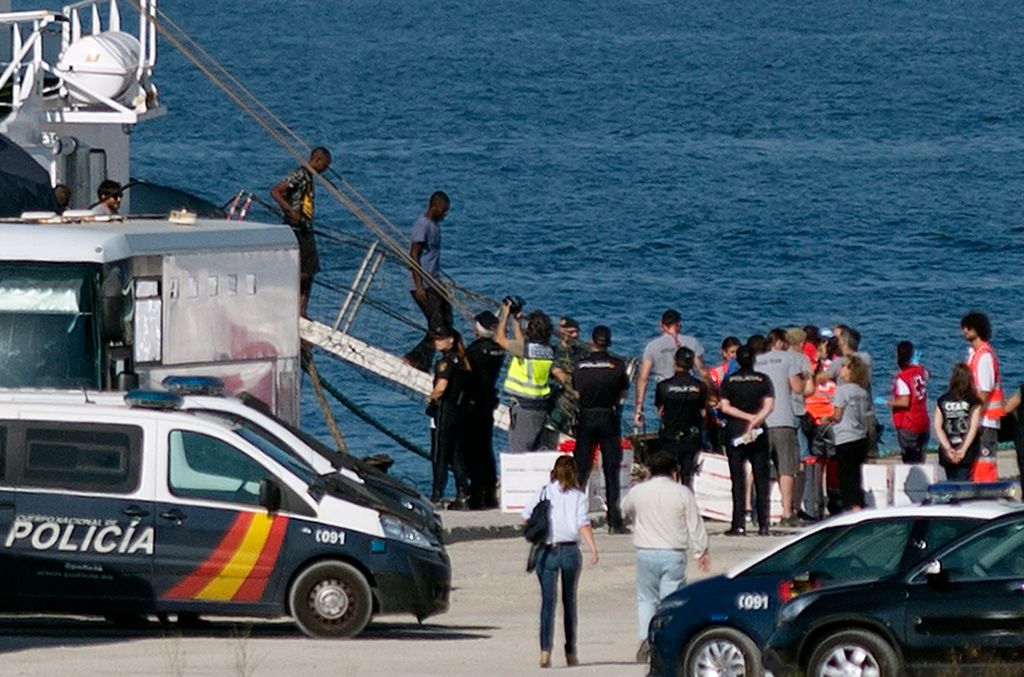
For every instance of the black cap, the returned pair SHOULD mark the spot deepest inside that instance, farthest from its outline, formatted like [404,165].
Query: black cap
[487,320]
[441,331]
[602,336]
[568,323]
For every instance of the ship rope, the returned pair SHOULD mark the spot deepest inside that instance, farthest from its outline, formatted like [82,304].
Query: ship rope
[346,194]
[332,423]
[365,416]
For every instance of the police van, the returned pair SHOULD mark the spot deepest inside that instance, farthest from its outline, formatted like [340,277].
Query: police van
[138,506]
[206,394]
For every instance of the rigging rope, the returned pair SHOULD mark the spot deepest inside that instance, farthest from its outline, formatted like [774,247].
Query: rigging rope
[332,424]
[363,415]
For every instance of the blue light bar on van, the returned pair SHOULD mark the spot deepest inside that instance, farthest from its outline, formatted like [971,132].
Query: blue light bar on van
[194,385]
[152,399]
[956,492]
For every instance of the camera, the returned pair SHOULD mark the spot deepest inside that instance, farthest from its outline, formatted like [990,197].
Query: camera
[515,304]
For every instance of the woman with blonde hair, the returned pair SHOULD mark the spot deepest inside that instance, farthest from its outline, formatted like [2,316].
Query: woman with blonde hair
[568,522]
[851,411]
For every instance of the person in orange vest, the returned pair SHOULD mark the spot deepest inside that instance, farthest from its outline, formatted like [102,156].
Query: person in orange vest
[909,404]
[984,366]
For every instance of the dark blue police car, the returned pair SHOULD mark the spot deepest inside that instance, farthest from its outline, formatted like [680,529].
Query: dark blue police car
[717,626]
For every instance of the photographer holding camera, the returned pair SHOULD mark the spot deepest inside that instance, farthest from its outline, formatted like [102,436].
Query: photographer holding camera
[526,384]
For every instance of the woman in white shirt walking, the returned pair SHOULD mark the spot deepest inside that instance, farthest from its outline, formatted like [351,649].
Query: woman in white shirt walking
[568,523]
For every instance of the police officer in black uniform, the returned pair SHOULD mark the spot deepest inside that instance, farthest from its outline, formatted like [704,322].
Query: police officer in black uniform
[747,399]
[681,402]
[601,381]
[485,358]
[447,404]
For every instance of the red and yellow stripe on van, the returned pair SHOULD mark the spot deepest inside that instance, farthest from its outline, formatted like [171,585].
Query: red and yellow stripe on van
[240,565]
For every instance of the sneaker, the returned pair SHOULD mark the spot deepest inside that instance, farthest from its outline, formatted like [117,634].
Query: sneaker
[736,531]
[621,529]
[764,531]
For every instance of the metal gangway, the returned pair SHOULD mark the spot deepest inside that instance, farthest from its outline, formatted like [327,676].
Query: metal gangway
[336,339]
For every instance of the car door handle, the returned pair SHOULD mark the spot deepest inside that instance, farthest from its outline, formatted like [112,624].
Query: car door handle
[174,514]
[135,511]
[6,504]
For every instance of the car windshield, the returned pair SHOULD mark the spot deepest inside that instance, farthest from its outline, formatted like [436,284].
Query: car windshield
[864,551]
[268,446]
[792,556]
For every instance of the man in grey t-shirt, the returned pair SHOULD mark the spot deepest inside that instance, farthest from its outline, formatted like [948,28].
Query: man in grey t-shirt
[783,367]
[659,361]
[425,251]
[849,344]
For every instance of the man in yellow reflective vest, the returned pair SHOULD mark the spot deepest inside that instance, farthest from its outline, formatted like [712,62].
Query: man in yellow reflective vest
[526,383]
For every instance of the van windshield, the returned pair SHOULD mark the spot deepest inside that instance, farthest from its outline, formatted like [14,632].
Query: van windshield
[296,466]
[48,330]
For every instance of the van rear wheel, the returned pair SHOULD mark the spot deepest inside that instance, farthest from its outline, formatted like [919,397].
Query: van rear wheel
[331,600]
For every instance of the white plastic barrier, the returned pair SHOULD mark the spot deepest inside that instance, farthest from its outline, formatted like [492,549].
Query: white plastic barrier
[910,482]
[712,485]
[876,480]
[523,475]
[596,483]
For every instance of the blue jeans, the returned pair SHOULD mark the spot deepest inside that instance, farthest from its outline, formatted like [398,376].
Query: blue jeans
[552,560]
[659,573]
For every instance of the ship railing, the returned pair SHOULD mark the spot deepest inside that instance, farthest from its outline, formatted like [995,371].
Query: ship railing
[23,74]
[28,75]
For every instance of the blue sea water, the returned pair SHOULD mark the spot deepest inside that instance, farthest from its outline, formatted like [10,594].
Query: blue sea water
[751,164]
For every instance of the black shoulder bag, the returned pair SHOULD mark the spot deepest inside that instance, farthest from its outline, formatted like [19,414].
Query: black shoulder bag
[537,526]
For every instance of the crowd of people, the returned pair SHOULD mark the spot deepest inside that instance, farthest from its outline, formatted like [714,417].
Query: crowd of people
[794,405]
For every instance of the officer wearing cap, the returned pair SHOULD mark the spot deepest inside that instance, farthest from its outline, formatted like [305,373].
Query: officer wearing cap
[447,404]
[601,381]
[485,359]
[567,352]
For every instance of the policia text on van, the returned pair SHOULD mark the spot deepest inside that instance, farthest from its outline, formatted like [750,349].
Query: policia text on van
[141,508]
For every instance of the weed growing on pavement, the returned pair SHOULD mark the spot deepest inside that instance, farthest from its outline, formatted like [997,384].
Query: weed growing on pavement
[174,651]
[245,661]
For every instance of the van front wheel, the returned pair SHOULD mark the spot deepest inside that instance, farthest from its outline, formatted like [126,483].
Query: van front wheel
[331,600]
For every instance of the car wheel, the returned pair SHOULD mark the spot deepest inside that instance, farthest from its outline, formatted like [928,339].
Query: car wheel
[721,652]
[331,600]
[853,653]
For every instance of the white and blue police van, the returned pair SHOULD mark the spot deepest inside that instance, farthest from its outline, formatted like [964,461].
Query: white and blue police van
[136,506]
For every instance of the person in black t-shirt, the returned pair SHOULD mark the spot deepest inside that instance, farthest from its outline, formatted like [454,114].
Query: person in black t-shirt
[485,358]
[747,399]
[956,424]
[681,401]
[601,381]
[447,405]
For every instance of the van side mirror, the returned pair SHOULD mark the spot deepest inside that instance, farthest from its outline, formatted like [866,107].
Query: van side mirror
[270,494]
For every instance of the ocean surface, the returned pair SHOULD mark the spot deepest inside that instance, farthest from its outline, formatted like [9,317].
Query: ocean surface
[750,164]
